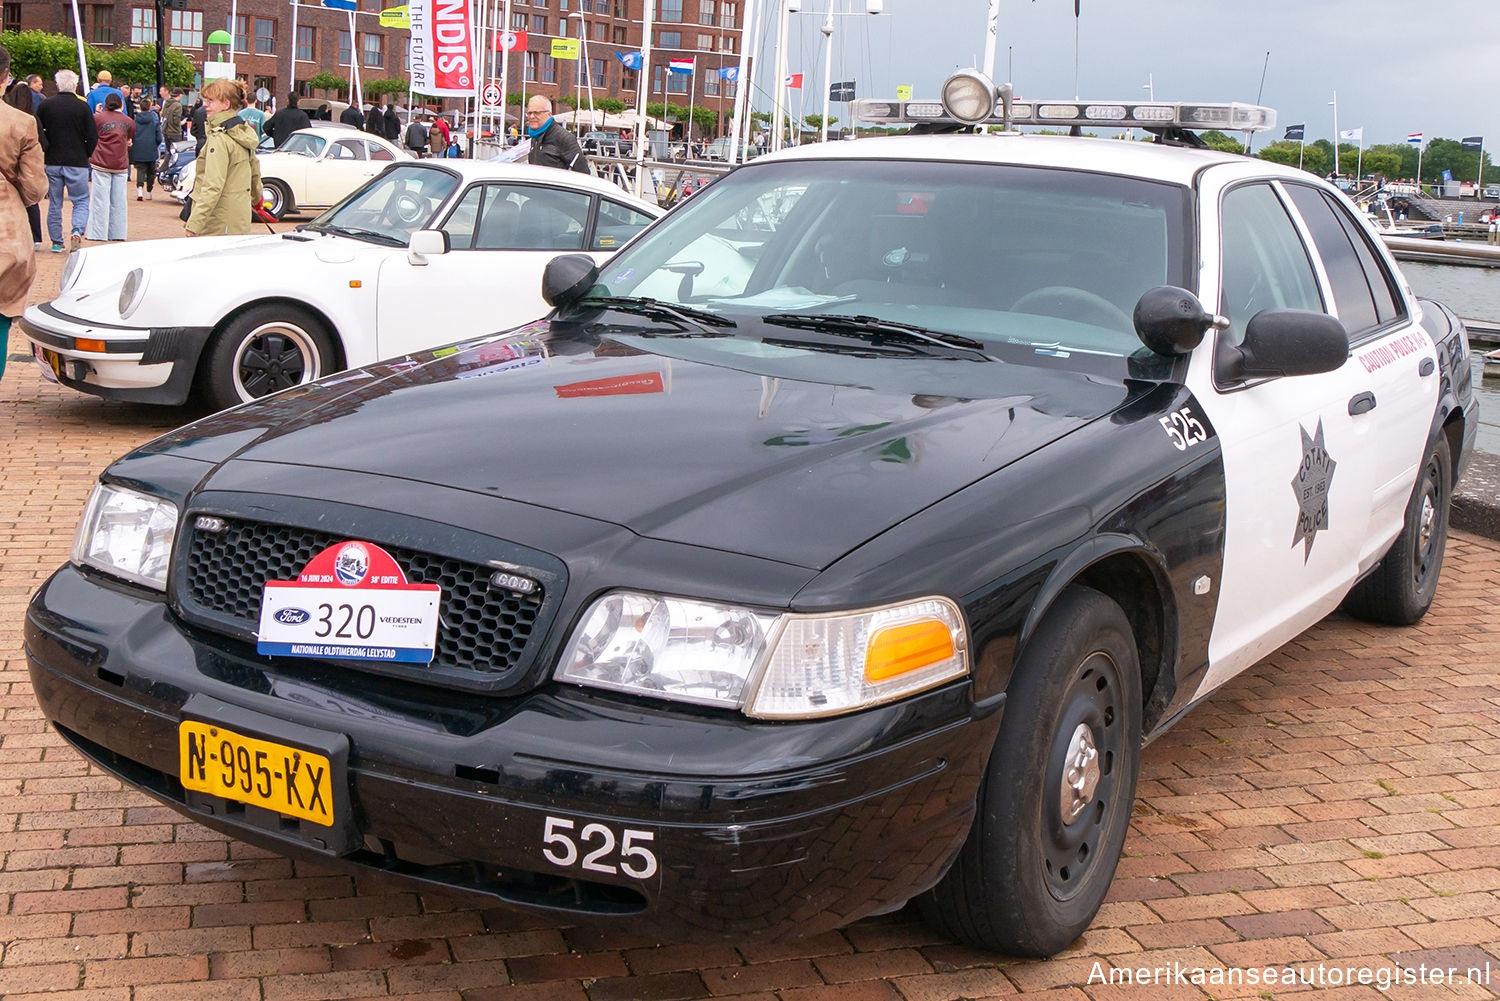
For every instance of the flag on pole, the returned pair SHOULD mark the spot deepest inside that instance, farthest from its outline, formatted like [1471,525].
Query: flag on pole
[1353,135]
[680,65]
[1472,142]
[793,80]
[395,17]
[565,48]
[447,26]
[1415,138]
[1295,132]
[632,60]
[729,73]
[510,41]
[903,92]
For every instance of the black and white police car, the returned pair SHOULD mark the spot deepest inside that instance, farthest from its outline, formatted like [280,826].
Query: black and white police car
[836,544]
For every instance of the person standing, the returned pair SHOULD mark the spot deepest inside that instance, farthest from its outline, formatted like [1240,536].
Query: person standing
[351,116]
[18,95]
[227,170]
[254,117]
[438,136]
[37,97]
[103,87]
[111,171]
[551,144]
[391,122]
[68,135]
[143,150]
[199,119]
[171,118]
[374,121]
[287,120]
[416,136]
[25,180]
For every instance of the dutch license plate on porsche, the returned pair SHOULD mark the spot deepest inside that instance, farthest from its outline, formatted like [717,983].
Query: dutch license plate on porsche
[286,780]
[50,362]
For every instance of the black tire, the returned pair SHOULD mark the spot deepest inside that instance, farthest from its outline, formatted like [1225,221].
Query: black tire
[1036,866]
[266,349]
[276,197]
[1400,589]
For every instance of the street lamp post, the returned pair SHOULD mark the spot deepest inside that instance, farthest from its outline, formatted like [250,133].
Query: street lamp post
[1335,103]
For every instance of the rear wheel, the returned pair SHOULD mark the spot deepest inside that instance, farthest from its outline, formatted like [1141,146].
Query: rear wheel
[1055,803]
[266,349]
[276,197]
[1401,588]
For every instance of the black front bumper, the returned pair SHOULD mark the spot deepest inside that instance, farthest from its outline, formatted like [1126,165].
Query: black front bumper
[755,830]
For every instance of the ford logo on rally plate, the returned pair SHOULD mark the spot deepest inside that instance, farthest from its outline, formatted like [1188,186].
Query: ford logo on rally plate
[292,616]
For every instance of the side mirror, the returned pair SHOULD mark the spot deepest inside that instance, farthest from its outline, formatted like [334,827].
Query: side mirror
[426,243]
[566,278]
[1171,321]
[1282,342]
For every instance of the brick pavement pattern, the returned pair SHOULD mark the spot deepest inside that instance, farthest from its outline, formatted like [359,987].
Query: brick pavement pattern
[1333,809]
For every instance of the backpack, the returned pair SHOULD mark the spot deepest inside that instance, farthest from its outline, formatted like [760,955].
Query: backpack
[416,136]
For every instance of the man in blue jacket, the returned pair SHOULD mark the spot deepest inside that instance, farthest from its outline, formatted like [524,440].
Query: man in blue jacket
[103,87]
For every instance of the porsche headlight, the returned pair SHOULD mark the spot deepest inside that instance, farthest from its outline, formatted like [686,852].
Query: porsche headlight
[127,534]
[72,267]
[769,666]
[132,290]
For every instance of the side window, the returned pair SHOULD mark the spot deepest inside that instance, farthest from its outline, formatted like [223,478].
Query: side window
[1361,287]
[1264,263]
[460,222]
[378,152]
[617,224]
[548,218]
[499,220]
[347,149]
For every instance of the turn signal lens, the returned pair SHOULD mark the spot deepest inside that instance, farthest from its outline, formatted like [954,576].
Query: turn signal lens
[897,650]
[89,344]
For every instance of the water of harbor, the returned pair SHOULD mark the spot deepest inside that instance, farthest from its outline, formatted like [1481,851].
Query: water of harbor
[1474,294]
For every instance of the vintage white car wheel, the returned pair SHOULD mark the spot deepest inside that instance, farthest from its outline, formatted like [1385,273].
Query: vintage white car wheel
[266,349]
[276,197]
[1054,806]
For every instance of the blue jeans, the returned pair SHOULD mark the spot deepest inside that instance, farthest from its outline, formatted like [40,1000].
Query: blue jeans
[76,180]
[107,220]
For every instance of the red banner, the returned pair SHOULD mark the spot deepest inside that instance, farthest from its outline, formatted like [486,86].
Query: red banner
[442,47]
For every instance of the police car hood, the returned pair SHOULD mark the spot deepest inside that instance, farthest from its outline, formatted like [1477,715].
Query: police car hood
[786,454]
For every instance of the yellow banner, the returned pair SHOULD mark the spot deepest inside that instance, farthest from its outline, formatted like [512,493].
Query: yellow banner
[395,17]
[564,48]
[903,92]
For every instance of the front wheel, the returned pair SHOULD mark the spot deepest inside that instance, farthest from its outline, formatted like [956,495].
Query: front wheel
[1055,803]
[1400,589]
[266,349]
[276,197]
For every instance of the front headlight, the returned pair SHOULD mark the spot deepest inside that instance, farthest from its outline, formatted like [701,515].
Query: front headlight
[132,291]
[769,666]
[127,534]
[72,267]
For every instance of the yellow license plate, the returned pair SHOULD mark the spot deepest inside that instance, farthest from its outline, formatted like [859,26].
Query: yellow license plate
[51,360]
[245,769]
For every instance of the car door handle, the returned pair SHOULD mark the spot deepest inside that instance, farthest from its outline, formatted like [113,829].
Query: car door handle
[1361,403]
[1427,367]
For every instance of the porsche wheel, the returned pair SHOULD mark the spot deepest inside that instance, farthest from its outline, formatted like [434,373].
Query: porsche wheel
[264,350]
[276,197]
[1055,803]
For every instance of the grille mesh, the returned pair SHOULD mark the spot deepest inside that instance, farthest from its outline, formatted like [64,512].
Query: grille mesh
[482,630]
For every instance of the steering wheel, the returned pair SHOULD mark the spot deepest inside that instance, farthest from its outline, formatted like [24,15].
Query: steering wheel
[1069,303]
[406,209]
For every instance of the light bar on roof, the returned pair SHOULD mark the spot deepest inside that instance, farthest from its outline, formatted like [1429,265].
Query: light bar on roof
[1193,115]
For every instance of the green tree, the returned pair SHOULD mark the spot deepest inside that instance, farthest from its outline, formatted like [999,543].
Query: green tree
[705,120]
[1386,163]
[1317,157]
[387,85]
[610,105]
[1280,151]
[44,53]
[139,65]
[327,81]
[815,122]
[1219,141]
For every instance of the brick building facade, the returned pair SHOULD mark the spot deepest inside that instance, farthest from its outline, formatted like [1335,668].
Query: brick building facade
[705,30]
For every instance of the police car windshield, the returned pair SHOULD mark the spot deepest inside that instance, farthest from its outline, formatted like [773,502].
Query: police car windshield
[1004,254]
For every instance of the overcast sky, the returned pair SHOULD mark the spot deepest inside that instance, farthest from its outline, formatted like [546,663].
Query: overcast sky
[1397,67]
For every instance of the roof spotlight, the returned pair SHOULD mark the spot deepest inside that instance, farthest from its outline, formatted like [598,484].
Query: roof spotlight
[969,96]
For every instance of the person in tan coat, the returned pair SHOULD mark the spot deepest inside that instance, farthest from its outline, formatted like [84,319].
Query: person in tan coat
[227,175]
[25,184]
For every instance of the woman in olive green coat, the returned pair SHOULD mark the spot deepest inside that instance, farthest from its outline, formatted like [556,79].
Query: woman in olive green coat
[227,175]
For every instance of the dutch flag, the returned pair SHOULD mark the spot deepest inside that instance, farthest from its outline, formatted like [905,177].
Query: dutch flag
[679,66]
[1415,138]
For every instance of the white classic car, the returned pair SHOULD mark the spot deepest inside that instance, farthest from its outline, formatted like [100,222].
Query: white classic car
[430,252]
[319,165]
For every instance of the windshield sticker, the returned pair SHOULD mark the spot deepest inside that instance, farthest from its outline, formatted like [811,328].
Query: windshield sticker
[1311,484]
[624,276]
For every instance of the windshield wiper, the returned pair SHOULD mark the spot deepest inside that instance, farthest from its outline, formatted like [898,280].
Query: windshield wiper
[656,309]
[359,233]
[870,328]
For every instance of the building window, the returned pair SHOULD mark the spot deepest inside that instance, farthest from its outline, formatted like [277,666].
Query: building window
[679,83]
[669,40]
[265,36]
[596,72]
[600,31]
[346,49]
[142,24]
[601,6]
[518,20]
[98,23]
[12,19]
[529,72]
[562,4]
[373,48]
[539,24]
[307,42]
[185,29]
[622,10]
[726,43]
[705,43]
[671,10]
[656,75]
[627,79]
[618,34]
[241,33]
[706,11]
[728,14]
[711,84]
[549,69]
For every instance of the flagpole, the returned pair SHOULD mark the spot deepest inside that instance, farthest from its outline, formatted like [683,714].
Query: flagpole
[828,65]
[291,76]
[83,69]
[687,152]
[741,110]
[1301,144]
[234,16]
[1335,103]
[642,88]
[779,114]
[505,76]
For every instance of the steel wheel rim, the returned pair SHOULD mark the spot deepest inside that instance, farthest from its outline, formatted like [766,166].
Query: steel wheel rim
[1082,797]
[272,357]
[1427,527]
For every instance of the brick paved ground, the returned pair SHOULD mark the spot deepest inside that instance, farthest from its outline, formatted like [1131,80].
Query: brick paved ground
[1335,808]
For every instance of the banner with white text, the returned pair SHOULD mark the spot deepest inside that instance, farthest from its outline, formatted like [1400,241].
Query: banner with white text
[442,47]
